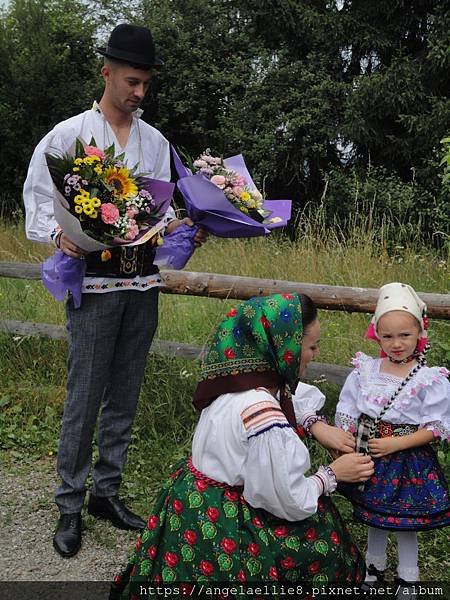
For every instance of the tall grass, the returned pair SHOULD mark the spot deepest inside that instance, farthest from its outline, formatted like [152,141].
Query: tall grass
[32,371]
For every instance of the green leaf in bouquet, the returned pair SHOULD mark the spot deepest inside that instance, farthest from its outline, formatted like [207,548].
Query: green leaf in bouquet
[109,151]
[79,148]
[59,165]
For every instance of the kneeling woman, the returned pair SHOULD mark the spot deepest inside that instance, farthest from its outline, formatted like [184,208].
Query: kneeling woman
[242,508]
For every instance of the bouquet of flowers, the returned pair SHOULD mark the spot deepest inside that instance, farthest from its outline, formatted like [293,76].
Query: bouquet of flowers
[234,185]
[101,202]
[221,197]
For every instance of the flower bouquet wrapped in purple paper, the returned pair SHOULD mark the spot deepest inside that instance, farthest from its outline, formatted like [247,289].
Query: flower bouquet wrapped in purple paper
[221,197]
[99,203]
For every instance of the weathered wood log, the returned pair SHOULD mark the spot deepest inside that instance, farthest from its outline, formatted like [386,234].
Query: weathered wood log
[328,297]
[315,372]
[20,270]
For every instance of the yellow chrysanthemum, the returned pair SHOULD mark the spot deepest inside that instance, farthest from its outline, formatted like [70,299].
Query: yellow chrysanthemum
[245,196]
[75,169]
[119,179]
[78,161]
[98,169]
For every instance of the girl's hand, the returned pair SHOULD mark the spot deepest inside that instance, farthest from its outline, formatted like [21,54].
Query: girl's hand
[353,468]
[333,438]
[379,447]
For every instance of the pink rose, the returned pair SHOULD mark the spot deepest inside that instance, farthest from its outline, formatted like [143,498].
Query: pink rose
[218,180]
[132,232]
[109,212]
[94,151]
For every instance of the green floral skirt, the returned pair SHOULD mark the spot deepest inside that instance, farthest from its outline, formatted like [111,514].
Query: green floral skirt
[204,531]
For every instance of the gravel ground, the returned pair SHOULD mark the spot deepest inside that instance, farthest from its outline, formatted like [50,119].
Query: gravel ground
[28,517]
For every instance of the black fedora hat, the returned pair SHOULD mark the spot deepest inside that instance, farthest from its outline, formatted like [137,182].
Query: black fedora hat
[132,44]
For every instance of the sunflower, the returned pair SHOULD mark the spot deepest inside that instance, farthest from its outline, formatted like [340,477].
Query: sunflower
[123,185]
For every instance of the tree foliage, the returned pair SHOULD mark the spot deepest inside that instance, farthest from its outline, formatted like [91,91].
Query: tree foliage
[311,91]
[46,75]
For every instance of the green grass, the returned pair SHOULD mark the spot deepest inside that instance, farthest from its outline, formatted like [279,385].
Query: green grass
[32,371]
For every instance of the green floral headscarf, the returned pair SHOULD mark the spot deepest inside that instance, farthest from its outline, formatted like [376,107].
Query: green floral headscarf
[257,344]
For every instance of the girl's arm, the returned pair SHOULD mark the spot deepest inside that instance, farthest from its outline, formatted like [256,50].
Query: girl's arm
[379,447]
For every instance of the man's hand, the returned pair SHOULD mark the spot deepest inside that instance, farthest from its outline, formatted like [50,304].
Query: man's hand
[200,236]
[68,247]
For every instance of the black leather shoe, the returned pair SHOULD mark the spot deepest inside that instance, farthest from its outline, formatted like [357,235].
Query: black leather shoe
[67,538]
[115,511]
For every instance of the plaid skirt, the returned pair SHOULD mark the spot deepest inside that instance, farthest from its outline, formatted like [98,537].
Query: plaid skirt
[203,531]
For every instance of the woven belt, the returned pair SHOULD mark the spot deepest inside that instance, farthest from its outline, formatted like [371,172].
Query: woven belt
[199,475]
[385,429]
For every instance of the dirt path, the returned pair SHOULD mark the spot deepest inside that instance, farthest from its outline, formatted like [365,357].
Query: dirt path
[27,520]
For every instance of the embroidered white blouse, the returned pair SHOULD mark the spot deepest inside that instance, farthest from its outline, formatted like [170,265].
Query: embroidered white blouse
[424,401]
[244,439]
[146,146]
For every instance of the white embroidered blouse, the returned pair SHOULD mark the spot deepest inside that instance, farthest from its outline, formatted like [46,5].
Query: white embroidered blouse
[424,401]
[244,439]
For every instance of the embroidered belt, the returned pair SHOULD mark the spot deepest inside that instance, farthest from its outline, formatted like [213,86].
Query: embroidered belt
[385,429]
[124,262]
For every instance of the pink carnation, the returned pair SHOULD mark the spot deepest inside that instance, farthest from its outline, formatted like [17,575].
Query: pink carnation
[94,151]
[110,213]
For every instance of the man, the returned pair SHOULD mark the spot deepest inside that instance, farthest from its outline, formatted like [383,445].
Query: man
[111,333]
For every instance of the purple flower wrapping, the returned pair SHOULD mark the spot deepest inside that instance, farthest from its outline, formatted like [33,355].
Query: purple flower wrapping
[62,274]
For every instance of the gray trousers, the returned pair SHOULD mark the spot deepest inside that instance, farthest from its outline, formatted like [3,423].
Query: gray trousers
[110,336]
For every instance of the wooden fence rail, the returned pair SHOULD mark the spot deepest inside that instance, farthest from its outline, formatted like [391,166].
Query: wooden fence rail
[326,297]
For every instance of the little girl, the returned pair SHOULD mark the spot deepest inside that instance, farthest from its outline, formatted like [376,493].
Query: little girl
[396,405]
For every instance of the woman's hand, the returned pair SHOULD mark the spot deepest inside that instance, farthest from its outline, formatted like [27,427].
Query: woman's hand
[333,438]
[353,468]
